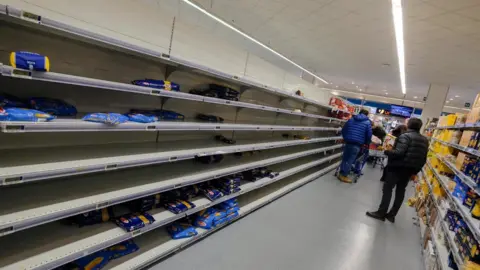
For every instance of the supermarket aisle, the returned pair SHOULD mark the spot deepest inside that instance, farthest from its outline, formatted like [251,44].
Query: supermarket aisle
[321,225]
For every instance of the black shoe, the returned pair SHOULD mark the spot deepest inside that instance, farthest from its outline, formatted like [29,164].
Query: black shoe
[390,218]
[376,215]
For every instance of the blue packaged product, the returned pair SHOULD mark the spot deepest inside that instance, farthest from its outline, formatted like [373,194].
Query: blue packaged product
[30,61]
[206,218]
[179,230]
[232,215]
[229,191]
[160,114]
[122,249]
[230,203]
[92,217]
[95,261]
[179,206]
[212,193]
[141,118]
[53,106]
[106,118]
[9,101]
[134,221]
[159,84]
[24,115]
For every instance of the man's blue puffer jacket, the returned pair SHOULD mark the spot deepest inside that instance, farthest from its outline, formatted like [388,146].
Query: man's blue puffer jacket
[357,130]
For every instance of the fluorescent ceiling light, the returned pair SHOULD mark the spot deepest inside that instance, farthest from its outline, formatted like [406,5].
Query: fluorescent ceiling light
[397,11]
[204,11]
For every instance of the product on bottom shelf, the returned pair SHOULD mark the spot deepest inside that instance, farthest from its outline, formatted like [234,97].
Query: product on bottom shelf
[259,173]
[9,101]
[229,184]
[30,61]
[101,258]
[132,222]
[106,118]
[210,118]
[217,215]
[24,115]
[159,84]
[178,206]
[181,229]
[53,106]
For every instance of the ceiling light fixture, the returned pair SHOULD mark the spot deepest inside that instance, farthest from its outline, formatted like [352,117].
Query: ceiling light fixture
[335,93]
[457,96]
[415,97]
[397,11]
[204,11]
[448,101]
[451,99]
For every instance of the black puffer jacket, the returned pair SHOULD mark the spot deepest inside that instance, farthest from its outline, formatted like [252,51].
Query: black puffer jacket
[410,151]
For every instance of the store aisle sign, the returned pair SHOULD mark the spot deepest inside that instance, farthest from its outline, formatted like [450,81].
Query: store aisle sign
[467,105]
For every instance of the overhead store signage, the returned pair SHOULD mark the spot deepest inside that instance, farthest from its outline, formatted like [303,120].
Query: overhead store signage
[467,105]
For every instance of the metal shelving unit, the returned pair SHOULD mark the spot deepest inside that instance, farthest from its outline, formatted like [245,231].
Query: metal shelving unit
[88,168]
[130,88]
[109,234]
[465,179]
[459,147]
[75,125]
[20,220]
[45,24]
[472,223]
[36,172]
[166,246]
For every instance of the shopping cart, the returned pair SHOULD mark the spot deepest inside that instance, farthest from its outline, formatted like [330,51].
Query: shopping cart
[356,170]
[378,157]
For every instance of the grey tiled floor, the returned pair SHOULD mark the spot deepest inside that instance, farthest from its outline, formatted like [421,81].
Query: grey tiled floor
[321,225]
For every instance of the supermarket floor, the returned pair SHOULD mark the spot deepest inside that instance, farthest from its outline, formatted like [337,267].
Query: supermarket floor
[321,225]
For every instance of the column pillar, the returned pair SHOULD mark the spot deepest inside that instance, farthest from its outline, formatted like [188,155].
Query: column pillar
[436,97]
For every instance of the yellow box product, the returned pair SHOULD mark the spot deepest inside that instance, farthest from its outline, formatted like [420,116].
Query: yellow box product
[466,136]
[461,118]
[451,118]
[473,116]
[460,160]
[442,121]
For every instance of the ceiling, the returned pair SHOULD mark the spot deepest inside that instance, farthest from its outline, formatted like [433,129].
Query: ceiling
[351,43]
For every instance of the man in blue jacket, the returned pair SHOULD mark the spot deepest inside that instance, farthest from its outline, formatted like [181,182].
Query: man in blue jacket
[356,133]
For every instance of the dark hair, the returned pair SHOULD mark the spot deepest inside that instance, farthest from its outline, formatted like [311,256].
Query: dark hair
[415,124]
[399,130]
[365,112]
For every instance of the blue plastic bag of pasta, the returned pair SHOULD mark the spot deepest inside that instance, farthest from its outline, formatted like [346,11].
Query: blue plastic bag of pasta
[106,118]
[179,230]
[141,118]
[9,101]
[122,249]
[95,261]
[30,61]
[53,106]
[159,84]
[24,115]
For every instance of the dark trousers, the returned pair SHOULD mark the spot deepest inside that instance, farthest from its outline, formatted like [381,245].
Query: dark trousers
[397,178]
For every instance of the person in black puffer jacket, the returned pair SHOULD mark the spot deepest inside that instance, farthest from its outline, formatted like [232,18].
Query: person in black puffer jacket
[408,156]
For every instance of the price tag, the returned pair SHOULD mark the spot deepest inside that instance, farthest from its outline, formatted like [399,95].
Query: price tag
[21,73]
[31,17]
[12,180]
[102,205]
[7,230]
[111,167]
[136,233]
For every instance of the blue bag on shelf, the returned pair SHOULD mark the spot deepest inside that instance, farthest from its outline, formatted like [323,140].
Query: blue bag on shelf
[122,249]
[106,118]
[53,106]
[179,230]
[212,193]
[206,218]
[229,203]
[95,261]
[134,222]
[24,115]
[179,206]
[141,118]
[30,61]
[160,114]
[9,101]
[159,84]
[92,217]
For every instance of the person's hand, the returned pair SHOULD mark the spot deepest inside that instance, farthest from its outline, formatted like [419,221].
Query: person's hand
[388,147]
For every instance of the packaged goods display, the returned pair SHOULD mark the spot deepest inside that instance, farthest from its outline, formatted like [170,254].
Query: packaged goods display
[30,61]
[106,118]
[132,222]
[24,115]
[209,118]
[52,106]
[181,229]
[159,84]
